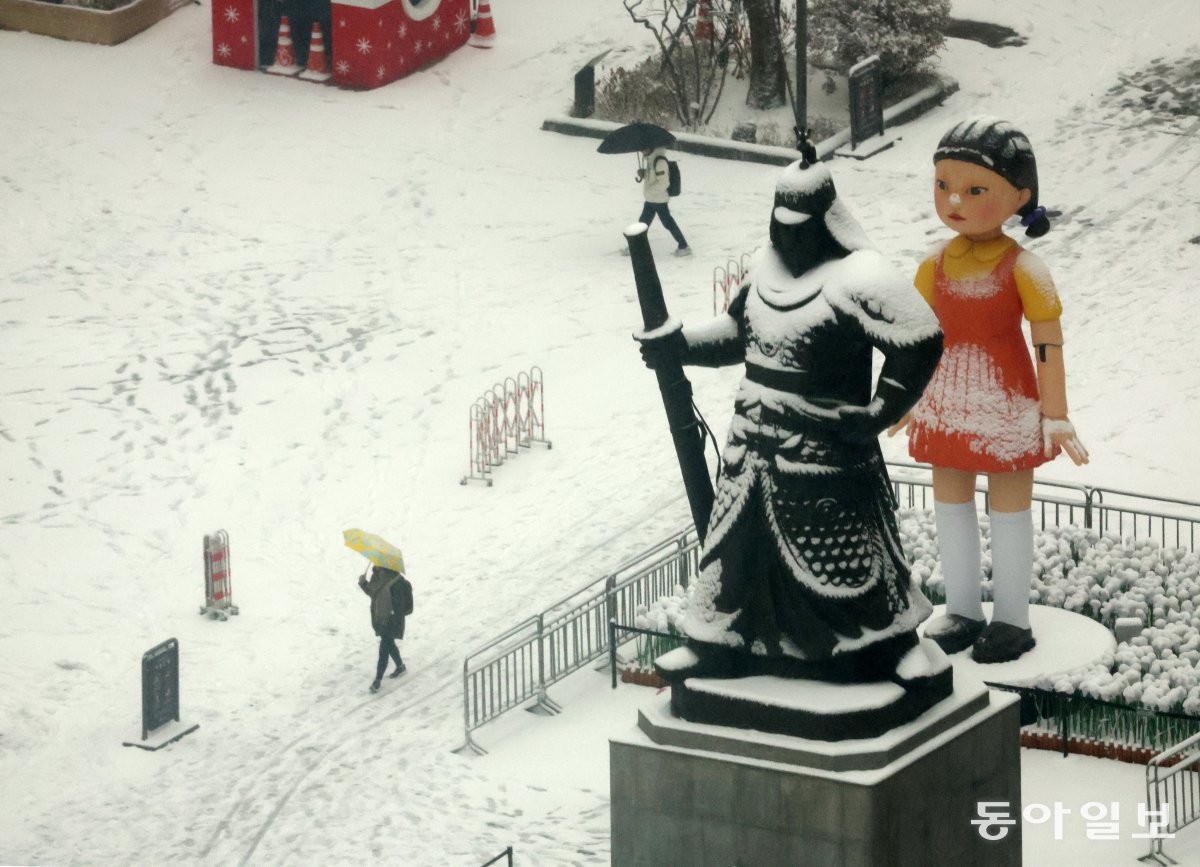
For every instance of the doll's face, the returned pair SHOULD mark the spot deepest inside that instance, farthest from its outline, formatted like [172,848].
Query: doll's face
[972,200]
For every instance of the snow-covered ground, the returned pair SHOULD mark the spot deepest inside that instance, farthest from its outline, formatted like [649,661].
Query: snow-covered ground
[233,300]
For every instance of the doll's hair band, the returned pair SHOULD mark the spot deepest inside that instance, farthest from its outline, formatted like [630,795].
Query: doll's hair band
[1033,216]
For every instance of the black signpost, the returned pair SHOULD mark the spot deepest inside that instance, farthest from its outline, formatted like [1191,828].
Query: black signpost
[866,101]
[585,87]
[160,686]
[160,692]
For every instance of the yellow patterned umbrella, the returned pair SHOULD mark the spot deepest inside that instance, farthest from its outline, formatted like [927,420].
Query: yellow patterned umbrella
[375,548]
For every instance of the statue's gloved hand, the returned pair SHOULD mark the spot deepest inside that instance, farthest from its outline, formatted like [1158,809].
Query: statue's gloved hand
[663,345]
[861,424]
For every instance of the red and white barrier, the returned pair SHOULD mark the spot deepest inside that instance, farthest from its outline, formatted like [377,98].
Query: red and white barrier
[726,279]
[503,421]
[218,580]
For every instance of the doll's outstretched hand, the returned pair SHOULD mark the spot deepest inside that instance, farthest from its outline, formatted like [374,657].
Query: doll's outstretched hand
[1060,432]
[901,425]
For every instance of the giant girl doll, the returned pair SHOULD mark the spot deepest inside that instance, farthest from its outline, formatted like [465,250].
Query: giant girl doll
[989,408]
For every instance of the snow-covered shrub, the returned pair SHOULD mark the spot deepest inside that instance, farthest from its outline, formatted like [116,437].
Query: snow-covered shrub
[906,34]
[665,615]
[639,93]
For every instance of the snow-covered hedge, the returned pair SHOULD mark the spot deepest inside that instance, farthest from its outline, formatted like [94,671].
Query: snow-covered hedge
[665,616]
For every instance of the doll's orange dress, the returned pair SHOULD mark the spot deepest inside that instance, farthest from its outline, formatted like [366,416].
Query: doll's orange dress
[981,411]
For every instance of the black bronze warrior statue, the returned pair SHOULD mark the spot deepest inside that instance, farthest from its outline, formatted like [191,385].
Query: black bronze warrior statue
[802,573]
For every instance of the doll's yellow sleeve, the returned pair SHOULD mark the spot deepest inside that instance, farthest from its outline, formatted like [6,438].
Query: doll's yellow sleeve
[1039,298]
[924,280]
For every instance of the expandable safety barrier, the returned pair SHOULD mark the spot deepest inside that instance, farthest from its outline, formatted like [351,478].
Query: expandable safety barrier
[218,577]
[504,420]
[726,279]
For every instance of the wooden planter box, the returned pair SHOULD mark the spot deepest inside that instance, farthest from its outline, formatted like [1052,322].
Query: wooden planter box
[642,678]
[77,24]
[1089,747]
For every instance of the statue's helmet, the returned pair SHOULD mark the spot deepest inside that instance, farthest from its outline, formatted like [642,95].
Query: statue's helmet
[808,222]
[805,191]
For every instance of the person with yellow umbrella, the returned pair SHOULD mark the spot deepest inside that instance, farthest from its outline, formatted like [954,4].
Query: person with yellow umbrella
[391,596]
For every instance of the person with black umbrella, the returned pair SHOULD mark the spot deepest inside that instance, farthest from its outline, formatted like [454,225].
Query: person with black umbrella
[655,177]
[650,142]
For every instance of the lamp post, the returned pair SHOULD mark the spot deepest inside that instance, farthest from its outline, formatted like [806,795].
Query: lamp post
[801,65]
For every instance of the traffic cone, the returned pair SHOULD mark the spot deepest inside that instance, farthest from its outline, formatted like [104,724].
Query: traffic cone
[704,28]
[485,29]
[318,64]
[285,57]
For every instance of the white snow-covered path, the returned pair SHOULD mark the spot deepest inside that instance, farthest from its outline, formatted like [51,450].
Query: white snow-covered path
[232,300]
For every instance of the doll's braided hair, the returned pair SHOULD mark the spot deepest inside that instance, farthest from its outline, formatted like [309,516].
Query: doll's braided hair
[999,146]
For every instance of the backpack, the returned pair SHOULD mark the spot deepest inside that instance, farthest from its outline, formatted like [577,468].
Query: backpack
[672,178]
[402,596]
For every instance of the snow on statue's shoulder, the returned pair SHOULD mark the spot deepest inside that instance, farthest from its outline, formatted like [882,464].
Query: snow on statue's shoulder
[869,288]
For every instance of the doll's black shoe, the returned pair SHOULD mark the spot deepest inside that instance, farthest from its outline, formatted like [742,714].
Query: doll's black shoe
[1002,642]
[374,686]
[400,669]
[954,633]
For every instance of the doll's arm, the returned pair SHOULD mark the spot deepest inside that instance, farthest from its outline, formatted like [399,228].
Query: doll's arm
[1047,337]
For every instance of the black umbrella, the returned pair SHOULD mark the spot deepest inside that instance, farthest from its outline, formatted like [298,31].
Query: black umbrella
[633,137]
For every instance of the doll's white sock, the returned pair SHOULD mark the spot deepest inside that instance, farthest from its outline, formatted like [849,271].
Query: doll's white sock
[1012,566]
[958,549]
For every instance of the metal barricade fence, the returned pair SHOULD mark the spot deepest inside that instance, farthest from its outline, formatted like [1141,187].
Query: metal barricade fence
[727,278]
[520,664]
[1173,791]
[1169,521]
[517,667]
[1141,517]
[505,419]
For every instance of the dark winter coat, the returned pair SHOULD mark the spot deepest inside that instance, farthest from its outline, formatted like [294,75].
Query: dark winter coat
[387,591]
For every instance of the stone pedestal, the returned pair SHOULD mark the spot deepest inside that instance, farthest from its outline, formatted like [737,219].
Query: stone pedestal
[690,794]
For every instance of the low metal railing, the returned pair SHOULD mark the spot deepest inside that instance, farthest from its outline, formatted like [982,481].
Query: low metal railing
[516,667]
[1171,522]
[519,665]
[1173,793]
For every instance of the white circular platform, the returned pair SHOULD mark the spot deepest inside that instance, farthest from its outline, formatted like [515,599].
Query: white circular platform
[1065,641]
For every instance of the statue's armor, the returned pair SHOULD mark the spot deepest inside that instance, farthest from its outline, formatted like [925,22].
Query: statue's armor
[803,557]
